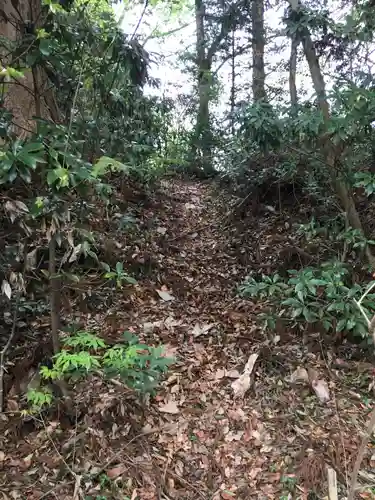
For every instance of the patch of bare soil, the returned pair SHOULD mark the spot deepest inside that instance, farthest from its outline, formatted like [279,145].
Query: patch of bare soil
[209,433]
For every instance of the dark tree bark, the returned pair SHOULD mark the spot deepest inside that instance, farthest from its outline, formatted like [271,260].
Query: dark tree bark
[31,95]
[257,18]
[233,81]
[293,71]
[202,129]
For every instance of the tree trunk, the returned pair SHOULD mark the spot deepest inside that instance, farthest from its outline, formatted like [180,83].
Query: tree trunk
[233,82]
[331,151]
[202,145]
[293,71]
[257,19]
[203,126]
[32,95]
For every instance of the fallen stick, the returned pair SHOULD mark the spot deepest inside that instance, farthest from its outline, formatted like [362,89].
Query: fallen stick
[332,484]
[371,424]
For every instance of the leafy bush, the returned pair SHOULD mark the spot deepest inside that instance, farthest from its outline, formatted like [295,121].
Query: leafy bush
[316,295]
[260,124]
[138,366]
[118,274]
[336,233]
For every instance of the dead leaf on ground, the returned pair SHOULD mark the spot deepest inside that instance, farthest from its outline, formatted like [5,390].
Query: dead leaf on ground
[242,384]
[299,375]
[319,385]
[202,329]
[170,407]
[321,390]
[116,471]
[150,326]
[167,297]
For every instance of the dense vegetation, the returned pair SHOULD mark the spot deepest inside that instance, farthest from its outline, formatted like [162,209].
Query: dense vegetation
[85,127]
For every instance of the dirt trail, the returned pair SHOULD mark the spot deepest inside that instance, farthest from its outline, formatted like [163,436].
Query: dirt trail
[195,439]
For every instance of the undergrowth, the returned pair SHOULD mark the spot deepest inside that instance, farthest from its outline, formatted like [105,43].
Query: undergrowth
[137,365]
[324,296]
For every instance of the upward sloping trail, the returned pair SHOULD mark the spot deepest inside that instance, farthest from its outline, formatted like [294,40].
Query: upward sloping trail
[195,439]
[278,438]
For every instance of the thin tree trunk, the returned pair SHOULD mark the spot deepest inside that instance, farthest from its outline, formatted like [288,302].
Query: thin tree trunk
[55,291]
[204,56]
[54,296]
[257,18]
[331,151]
[233,81]
[293,71]
[202,129]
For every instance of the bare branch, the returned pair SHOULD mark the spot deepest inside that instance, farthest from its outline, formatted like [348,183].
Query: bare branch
[139,20]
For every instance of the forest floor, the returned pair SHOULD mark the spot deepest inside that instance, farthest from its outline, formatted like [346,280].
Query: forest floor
[198,438]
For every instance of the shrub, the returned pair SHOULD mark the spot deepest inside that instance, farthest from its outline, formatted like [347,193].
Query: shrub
[315,295]
[138,366]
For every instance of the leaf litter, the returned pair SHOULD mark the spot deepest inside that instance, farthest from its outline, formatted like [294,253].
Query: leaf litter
[238,416]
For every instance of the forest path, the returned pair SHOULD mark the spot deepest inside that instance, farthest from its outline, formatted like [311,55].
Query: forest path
[274,442]
[196,438]
[210,443]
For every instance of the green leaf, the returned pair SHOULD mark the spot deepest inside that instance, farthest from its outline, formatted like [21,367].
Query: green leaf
[105,164]
[110,275]
[33,147]
[341,325]
[291,302]
[12,175]
[29,160]
[45,46]
[299,287]
[119,267]
[51,177]
[13,73]
[129,279]
[297,312]
[327,324]
[105,266]
[351,324]
[310,316]
[129,337]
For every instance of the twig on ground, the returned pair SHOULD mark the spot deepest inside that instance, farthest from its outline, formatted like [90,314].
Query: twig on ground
[186,483]
[52,491]
[164,475]
[77,488]
[371,424]
[57,450]
[332,484]
[338,423]
[118,454]
[361,452]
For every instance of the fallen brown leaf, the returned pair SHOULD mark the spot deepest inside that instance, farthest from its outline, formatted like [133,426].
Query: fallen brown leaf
[116,472]
[170,407]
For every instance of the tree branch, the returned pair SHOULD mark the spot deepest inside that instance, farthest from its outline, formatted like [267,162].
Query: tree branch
[240,51]
[224,29]
[139,20]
